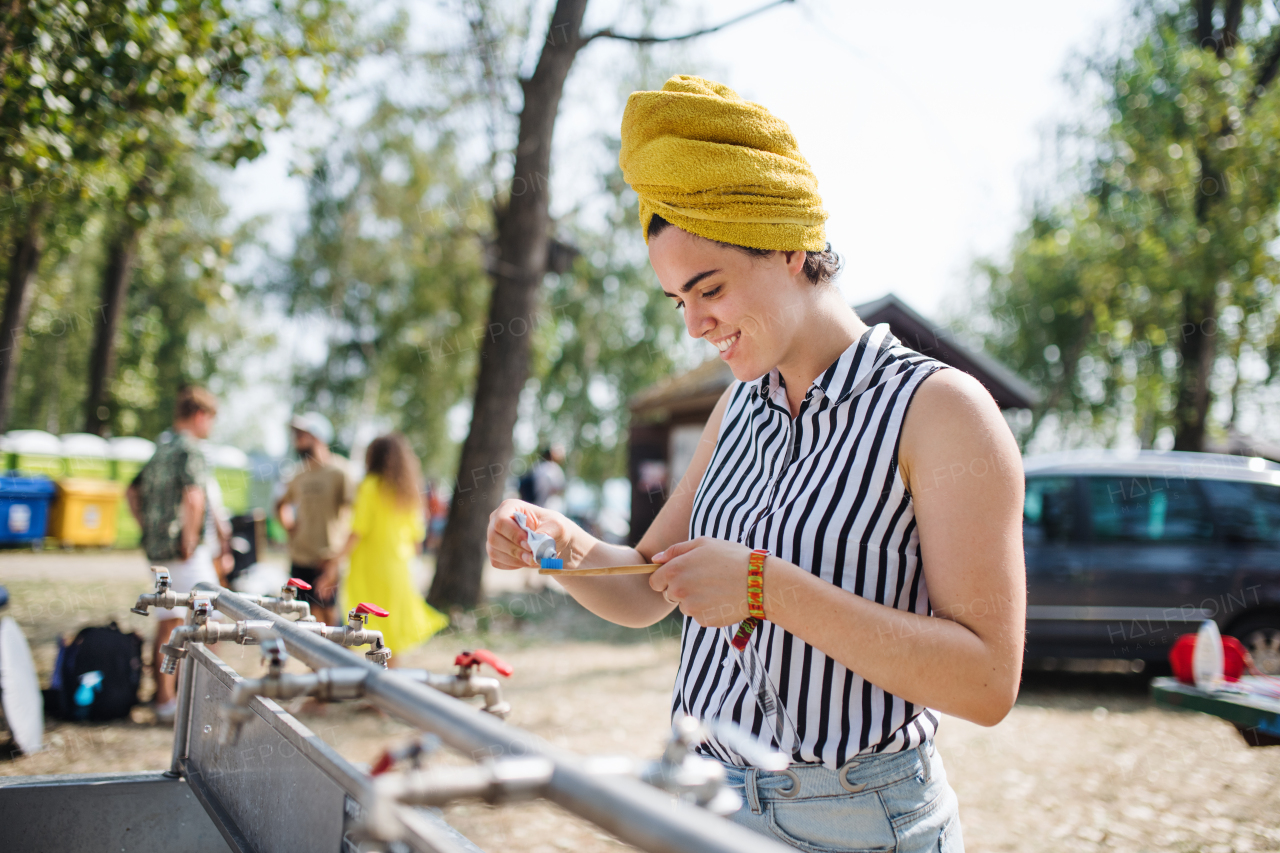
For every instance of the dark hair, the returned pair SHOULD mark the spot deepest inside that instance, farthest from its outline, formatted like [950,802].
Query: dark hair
[819,267]
[192,400]
[391,458]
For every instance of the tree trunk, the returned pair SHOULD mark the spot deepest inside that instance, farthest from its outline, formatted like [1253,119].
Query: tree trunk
[1204,23]
[121,255]
[504,355]
[24,260]
[1199,330]
[8,23]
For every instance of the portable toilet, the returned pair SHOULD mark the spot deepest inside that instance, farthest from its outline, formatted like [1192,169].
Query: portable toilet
[129,454]
[265,474]
[33,451]
[231,467]
[86,456]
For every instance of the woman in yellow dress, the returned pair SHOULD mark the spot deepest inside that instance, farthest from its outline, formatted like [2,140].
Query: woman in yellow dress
[386,529]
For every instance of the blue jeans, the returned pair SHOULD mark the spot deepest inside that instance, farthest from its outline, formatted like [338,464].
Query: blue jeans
[896,803]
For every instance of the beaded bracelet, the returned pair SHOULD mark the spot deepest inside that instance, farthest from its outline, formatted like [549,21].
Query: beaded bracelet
[755,583]
[755,599]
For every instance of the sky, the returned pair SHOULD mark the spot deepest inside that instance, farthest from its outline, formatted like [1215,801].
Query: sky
[922,122]
[919,124]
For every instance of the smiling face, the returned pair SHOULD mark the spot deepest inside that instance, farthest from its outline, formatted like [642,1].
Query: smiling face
[750,308]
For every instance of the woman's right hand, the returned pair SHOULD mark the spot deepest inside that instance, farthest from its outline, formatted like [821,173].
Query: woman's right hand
[508,544]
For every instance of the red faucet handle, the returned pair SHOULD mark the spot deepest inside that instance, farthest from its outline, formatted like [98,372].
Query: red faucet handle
[384,763]
[298,584]
[365,607]
[479,656]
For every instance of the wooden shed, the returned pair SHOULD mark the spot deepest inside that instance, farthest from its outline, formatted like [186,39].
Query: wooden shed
[667,418]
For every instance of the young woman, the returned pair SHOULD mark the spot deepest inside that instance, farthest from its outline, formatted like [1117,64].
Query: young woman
[875,496]
[386,529]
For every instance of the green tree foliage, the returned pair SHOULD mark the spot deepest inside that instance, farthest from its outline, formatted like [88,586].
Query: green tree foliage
[392,268]
[110,113]
[244,90]
[182,314]
[59,333]
[1148,296]
[89,85]
[609,332]
[389,272]
[179,322]
[71,75]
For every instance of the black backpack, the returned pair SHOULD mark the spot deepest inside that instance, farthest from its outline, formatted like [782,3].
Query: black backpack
[96,676]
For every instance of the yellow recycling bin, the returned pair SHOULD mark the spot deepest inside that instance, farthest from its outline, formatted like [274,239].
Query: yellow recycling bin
[84,513]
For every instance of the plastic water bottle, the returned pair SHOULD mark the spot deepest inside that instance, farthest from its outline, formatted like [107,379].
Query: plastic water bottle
[1206,663]
[90,684]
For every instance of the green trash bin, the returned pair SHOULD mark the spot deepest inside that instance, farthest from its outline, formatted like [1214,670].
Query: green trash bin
[128,455]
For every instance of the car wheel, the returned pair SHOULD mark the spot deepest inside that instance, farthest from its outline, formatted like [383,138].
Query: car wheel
[1260,635]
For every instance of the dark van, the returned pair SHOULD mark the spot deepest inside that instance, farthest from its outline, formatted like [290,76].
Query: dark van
[1127,551]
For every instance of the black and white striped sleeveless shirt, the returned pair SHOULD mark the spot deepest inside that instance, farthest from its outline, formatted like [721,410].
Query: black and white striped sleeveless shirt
[822,492]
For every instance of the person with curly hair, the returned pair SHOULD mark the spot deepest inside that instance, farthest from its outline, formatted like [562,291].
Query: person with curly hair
[386,530]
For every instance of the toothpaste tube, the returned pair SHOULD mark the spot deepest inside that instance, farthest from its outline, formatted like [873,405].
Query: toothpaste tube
[543,546]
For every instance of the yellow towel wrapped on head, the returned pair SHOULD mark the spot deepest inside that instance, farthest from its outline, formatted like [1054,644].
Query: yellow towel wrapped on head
[720,167]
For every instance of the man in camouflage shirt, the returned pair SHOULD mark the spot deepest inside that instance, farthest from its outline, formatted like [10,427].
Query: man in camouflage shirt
[177,465]
[169,500]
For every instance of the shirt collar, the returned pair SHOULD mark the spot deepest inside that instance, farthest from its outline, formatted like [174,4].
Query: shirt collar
[848,374]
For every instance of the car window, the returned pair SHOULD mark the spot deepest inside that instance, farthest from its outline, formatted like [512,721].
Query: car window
[1148,509]
[1049,513]
[1246,512]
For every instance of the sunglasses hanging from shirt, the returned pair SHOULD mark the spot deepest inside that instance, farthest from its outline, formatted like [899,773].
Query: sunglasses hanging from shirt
[746,654]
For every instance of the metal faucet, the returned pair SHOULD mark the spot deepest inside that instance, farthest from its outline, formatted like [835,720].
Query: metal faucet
[679,771]
[465,683]
[510,780]
[197,618]
[288,601]
[250,632]
[162,596]
[354,633]
[198,629]
[284,604]
[686,774]
[329,684]
[415,750]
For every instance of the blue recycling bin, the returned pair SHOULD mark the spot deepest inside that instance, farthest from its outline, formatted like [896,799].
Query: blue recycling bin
[24,509]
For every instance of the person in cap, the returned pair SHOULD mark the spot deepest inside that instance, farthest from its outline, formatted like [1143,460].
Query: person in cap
[846,544]
[169,498]
[315,511]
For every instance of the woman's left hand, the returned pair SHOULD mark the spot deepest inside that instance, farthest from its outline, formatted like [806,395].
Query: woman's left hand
[707,578]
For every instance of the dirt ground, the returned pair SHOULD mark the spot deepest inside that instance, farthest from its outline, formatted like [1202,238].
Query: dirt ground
[1082,763]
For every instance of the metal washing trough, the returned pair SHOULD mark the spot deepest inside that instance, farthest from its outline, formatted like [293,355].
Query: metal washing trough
[279,787]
